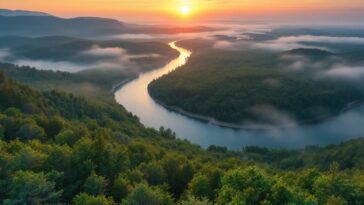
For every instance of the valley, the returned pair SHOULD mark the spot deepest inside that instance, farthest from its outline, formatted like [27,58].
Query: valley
[98,111]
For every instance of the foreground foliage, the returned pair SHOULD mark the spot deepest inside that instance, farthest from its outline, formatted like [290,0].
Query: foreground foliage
[56,148]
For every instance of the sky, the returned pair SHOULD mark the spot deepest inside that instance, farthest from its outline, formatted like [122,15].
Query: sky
[335,10]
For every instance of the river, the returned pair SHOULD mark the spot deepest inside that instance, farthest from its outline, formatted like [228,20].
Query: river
[135,98]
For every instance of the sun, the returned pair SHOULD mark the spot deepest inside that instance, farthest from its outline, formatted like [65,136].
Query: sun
[184,10]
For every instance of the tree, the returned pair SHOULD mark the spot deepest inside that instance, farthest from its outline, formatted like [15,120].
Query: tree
[143,194]
[168,133]
[214,148]
[2,77]
[85,199]
[66,137]
[94,184]
[28,158]
[179,173]
[12,112]
[281,194]
[153,173]
[32,188]
[55,125]
[30,131]
[334,184]
[307,179]
[2,132]
[194,201]
[200,187]
[120,188]
[246,186]
[213,176]
[333,200]
[138,153]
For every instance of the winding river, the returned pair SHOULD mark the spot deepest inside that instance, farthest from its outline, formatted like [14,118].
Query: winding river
[135,98]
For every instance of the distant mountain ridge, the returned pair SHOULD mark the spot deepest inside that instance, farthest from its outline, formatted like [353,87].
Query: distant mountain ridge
[51,25]
[38,25]
[8,12]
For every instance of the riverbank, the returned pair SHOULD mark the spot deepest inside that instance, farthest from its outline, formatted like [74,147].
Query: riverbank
[213,121]
[261,127]
[121,84]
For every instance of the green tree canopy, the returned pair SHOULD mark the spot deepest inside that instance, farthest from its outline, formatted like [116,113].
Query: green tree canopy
[143,194]
[32,188]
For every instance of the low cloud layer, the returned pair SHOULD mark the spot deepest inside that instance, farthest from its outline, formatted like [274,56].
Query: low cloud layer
[111,52]
[285,43]
[117,54]
[99,58]
[330,67]
[320,39]
[224,45]
[267,116]
[293,42]
[345,72]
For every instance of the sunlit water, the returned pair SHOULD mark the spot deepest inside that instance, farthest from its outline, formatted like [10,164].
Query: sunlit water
[135,98]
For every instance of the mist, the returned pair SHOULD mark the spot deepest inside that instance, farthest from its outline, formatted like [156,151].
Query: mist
[109,58]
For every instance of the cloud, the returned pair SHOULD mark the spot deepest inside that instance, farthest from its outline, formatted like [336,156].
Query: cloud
[99,58]
[134,36]
[331,67]
[223,45]
[286,42]
[272,82]
[279,45]
[116,53]
[321,39]
[113,52]
[4,53]
[51,65]
[293,42]
[109,58]
[345,72]
[269,117]
[302,63]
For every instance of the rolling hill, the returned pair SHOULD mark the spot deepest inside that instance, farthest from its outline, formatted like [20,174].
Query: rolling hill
[34,25]
[7,12]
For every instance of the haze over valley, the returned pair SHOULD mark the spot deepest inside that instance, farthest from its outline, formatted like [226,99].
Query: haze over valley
[192,102]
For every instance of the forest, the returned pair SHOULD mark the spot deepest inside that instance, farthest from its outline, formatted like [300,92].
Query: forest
[247,86]
[60,148]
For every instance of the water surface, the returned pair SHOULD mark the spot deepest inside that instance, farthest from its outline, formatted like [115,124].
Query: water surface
[135,98]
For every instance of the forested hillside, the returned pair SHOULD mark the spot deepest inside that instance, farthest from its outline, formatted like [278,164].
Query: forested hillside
[57,148]
[258,88]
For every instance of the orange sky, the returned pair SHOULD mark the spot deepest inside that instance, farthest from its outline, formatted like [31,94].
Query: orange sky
[170,8]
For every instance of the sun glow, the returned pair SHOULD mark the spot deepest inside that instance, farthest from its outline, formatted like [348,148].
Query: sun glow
[184,10]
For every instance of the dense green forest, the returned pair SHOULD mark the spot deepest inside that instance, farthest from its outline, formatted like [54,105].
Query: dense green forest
[96,84]
[57,148]
[247,86]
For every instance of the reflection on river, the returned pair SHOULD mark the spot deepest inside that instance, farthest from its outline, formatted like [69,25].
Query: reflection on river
[135,98]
